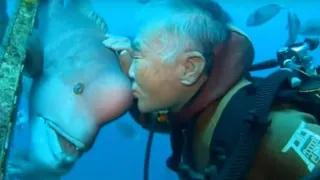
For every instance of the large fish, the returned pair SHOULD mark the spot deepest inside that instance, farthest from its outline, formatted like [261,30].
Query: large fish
[80,88]
[263,14]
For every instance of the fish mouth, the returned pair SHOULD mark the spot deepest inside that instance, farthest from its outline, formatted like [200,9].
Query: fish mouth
[68,144]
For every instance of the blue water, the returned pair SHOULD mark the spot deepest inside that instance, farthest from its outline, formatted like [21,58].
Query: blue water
[116,157]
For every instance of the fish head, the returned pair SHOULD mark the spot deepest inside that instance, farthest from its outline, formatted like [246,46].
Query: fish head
[71,101]
[80,88]
[61,130]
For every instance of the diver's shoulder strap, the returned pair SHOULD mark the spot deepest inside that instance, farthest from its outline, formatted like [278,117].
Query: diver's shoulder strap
[241,126]
[207,134]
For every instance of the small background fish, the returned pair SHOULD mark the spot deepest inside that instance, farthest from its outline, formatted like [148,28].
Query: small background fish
[263,14]
[127,130]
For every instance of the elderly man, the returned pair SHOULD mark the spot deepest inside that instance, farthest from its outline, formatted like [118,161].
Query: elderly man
[190,63]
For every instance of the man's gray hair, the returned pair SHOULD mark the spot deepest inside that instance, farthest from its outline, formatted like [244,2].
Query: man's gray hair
[187,25]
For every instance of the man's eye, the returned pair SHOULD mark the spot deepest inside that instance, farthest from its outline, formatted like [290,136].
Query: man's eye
[136,57]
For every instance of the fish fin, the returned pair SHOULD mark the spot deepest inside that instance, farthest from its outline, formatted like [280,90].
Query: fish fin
[33,65]
[85,8]
[19,166]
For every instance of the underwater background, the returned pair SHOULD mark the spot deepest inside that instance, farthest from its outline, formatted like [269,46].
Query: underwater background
[119,150]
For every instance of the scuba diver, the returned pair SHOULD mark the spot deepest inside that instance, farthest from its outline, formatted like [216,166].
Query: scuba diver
[190,72]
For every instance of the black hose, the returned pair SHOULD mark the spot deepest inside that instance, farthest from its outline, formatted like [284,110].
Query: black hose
[148,150]
[264,65]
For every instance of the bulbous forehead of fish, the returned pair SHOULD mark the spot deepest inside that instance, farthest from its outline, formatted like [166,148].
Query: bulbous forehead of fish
[84,63]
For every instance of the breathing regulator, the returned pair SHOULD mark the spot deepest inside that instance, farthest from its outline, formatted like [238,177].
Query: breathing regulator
[295,58]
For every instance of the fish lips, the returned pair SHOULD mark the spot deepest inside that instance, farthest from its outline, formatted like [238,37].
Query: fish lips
[61,142]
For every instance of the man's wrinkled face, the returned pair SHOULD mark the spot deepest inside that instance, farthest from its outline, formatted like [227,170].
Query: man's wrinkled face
[155,83]
[164,84]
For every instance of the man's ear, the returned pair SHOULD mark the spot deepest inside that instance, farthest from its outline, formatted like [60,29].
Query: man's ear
[33,65]
[193,65]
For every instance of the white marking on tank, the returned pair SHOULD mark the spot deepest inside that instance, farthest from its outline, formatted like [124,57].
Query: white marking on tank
[306,144]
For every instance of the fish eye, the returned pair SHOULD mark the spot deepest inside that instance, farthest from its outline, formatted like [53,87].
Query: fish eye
[78,88]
